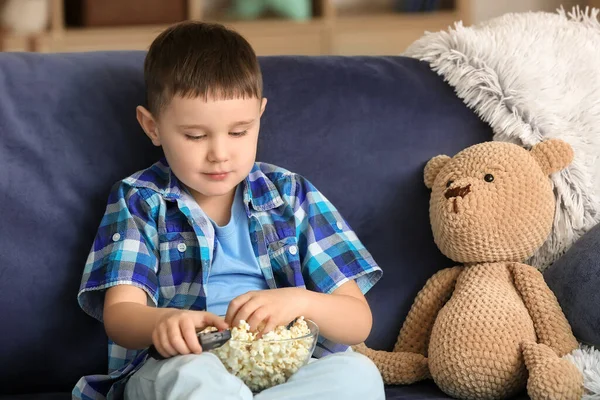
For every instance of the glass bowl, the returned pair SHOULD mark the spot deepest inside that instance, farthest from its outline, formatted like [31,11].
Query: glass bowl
[266,362]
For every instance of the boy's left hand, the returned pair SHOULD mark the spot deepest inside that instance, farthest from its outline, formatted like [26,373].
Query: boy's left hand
[272,307]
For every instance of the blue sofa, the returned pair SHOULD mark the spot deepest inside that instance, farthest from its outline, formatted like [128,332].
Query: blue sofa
[360,128]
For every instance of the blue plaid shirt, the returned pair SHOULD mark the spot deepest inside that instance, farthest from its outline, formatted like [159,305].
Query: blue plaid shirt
[155,236]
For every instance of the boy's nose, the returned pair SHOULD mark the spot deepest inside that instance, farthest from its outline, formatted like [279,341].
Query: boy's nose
[217,151]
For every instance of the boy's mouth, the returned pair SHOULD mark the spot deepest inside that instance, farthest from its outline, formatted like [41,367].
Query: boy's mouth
[217,176]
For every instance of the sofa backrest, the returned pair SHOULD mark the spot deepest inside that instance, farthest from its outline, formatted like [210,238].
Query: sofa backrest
[361,129]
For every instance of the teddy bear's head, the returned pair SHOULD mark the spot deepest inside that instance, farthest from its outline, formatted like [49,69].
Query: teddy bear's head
[494,201]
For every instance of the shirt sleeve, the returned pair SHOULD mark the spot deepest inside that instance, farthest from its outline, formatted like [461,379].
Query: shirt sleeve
[124,251]
[330,251]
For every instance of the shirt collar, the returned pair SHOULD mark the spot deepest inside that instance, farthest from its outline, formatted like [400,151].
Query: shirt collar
[259,191]
[158,178]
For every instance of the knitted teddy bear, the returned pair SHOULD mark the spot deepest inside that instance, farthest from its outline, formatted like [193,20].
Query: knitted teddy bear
[490,327]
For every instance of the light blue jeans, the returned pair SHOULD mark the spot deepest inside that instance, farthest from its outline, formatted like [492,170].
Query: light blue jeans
[345,376]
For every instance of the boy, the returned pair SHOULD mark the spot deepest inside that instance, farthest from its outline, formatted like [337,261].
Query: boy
[207,236]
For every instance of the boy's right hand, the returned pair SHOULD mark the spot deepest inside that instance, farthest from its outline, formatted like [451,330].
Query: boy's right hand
[175,332]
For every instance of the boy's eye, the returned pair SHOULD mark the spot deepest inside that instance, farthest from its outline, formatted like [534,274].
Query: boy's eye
[195,137]
[237,134]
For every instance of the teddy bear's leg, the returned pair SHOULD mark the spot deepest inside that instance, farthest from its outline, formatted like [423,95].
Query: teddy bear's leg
[397,368]
[550,377]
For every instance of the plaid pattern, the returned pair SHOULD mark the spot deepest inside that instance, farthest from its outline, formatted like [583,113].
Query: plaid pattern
[155,236]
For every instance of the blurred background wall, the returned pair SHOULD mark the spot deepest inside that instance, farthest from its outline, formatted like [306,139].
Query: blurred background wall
[486,9]
[310,27]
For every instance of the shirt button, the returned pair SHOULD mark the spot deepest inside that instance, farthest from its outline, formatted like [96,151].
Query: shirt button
[339,225]
[293,250]
[116,237]
[181,247]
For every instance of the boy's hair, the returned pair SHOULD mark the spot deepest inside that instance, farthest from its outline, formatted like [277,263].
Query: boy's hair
[197,59]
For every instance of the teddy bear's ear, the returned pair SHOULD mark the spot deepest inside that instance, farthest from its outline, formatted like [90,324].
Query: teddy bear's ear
[433,168]
[552,155]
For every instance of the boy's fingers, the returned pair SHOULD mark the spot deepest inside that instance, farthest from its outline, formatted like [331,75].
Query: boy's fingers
[269,326]
[167,349]
[157,344]
[175,339]
[235,305]
[231,310]
[161,351]
[257,317]
[179,344]
[188,331]
[211,319]
[245,312]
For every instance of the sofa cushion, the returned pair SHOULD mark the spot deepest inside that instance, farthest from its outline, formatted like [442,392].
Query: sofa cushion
[360,128]
[575,280]
[67,128]
[38,396]
[420,391]
[425,391]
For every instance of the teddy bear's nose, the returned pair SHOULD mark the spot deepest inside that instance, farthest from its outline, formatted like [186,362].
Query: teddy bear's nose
[460,191]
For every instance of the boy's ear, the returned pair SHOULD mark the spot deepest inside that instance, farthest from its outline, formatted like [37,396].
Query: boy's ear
[148,124]
[263,104]
[433,168]
[552,155]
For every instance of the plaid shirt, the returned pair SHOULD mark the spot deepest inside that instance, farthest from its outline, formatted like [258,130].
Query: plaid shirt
[155,236]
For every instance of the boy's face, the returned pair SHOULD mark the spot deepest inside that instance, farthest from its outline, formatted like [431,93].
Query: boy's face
[210,144]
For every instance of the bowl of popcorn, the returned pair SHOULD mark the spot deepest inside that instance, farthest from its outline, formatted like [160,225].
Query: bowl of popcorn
[263,362]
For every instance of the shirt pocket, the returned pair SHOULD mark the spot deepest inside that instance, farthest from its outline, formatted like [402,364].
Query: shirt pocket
[180,265]
[284,255]
[177,246]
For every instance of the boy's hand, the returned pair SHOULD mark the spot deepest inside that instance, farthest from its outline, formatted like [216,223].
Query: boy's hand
[175,332]
[272,307]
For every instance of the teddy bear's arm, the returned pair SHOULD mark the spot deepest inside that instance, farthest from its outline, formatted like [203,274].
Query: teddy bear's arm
[551,325]
[415,332]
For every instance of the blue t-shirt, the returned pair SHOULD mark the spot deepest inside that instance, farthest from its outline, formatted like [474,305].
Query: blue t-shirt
[234,269]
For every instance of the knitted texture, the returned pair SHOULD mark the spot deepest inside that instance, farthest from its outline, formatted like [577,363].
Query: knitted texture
[551,155]
[551,377]
[492,327]
[505,217]
[551,325]
[416,330]
[397,368]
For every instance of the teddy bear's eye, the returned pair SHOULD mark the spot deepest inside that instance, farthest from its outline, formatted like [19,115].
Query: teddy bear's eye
[488,178]
[449,183]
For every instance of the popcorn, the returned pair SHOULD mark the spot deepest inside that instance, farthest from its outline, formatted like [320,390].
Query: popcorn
[267,361]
